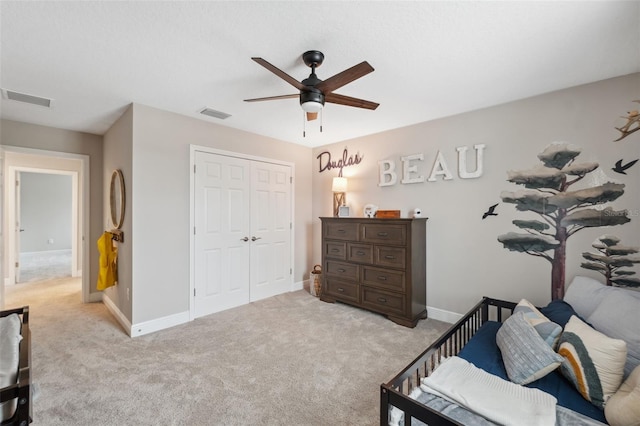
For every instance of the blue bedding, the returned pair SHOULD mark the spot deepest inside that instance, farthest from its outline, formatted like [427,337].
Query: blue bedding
[483,352]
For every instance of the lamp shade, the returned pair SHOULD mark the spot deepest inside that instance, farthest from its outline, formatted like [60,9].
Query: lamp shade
[339,184]
[311,106]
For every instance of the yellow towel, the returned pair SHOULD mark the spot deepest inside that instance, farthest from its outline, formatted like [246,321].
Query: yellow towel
[108,273]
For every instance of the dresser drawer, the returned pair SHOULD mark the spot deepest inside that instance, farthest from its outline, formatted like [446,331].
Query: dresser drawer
[342,270]
[386,234]
[394,257]
[341,231]
[383,301]
[342,289]
[335,250]
[361,253]
[383,278]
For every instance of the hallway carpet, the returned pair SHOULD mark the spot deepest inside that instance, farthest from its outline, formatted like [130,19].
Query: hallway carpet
[287,360]
[45,265]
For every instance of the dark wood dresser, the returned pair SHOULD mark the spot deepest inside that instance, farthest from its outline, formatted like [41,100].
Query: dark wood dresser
[376,264]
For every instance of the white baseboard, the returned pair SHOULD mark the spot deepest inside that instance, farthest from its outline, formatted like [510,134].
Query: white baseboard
[159,324]
[115,311]
[140,329]
[442,315]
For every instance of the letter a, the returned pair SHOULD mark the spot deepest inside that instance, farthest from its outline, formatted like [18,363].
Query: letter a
[440,168]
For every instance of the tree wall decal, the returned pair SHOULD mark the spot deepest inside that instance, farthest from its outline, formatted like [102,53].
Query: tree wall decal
[562,211]
[610,260]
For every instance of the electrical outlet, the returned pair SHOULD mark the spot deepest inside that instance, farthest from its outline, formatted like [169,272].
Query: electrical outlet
[50,241]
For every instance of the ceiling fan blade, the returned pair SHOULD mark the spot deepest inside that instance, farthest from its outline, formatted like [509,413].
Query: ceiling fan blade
[334,98]
[283,75]
[272,98]
[312,116]
[346,76]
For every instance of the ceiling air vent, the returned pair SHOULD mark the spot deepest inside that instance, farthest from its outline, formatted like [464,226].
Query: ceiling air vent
[30,99]
[216,114]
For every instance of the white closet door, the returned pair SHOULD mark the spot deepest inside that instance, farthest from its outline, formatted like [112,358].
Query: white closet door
[243,231]
[222,220]
[270,230]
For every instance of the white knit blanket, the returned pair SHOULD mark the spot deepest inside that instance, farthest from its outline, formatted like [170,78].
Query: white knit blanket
[489,396]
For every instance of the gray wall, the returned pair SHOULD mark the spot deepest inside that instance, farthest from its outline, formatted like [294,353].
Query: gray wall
[151,147]
[118,148]
[25,135]
[45,212]
[464,259]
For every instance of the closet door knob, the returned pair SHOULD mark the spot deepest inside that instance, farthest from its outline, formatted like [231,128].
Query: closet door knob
[256,238]
[245,239]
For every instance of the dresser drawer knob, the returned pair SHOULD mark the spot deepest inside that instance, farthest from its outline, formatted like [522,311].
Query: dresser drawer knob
[360,253]
[342,270]
[389,257]
[382,278]
[335,250]
[383,234]
[382,300]
[341,231]
[340,289]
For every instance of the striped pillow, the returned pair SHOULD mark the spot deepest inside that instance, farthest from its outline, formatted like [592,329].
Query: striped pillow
[526,356]
[548,330]
[593,362]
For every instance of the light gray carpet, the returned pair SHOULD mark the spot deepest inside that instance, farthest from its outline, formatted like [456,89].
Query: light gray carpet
[286,360]
[45,265]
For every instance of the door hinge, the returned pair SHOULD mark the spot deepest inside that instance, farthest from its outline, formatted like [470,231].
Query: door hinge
[17,264]
[290,225]
[194,292]
[194,230]
[290,179]
[194,168]
[290,271]
[17,183]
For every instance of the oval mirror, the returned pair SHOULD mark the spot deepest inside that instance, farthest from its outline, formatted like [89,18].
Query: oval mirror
[117,199]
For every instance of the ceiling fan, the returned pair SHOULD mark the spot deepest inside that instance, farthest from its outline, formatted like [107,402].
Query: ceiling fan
[315,92]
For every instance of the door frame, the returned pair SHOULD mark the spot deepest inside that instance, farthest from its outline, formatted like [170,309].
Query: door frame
[192,218]
[80,188]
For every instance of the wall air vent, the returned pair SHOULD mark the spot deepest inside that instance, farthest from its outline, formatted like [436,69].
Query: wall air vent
[216,114]
[30,99]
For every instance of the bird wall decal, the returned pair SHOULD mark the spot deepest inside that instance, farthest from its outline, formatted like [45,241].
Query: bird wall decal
[620,168]
[490,212]
[632,125]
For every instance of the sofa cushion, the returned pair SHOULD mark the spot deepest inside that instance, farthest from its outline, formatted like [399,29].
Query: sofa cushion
[9,358]
[618,316]
[593,362]
[584,294]
[526,356]
[623,408]
[547,329]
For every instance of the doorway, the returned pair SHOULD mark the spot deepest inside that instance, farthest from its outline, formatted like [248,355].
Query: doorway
[45,207]
[242,241]
[32,161]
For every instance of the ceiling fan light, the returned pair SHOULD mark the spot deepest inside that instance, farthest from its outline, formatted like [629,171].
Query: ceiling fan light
[312,101]
[311,106]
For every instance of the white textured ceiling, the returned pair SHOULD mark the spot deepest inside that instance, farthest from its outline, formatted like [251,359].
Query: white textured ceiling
[431,59]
